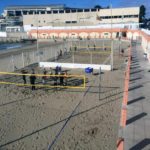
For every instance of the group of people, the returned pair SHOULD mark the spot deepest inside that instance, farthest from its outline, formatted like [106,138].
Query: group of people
[59,79]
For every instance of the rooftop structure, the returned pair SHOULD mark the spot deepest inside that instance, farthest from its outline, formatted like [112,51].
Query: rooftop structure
[24,9]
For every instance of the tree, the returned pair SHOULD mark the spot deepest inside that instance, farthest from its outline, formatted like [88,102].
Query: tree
[142,13]
[98,7]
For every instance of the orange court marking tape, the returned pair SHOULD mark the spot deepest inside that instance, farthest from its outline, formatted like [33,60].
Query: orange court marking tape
[123,117]
[126,93]
[120,144]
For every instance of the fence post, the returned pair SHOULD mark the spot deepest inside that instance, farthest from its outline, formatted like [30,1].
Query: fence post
[12,60]
[99,83]
[23,59]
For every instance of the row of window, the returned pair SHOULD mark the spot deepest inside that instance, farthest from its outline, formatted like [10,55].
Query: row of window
[65,21]
[124,16]
[19,13]
[70,22]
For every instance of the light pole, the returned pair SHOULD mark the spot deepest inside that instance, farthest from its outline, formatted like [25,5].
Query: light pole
[37,43]
[52,23]
[91,56]
[112,61]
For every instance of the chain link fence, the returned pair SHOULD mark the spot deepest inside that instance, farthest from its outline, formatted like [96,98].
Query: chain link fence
[18,59]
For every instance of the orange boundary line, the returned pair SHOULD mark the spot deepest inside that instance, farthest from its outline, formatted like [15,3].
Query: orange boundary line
[120,144]
[123,119]
[125,95]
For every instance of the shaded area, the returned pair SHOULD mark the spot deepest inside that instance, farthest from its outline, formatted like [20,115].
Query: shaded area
[141,145]
[137,71]
[136,100]
[134,67]
[135,118]
[135,87]
[137,78]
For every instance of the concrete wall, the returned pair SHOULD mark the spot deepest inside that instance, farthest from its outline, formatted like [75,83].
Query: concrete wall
[84,33]
[20,35]
[83,18]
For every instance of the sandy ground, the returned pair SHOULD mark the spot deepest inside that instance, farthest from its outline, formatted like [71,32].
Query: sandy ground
[31,120]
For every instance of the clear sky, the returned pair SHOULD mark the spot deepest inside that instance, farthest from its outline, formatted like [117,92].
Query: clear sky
[78,3]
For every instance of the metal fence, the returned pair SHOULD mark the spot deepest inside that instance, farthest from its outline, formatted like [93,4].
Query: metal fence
[20,59]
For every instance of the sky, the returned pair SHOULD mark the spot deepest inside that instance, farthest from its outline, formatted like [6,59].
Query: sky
[79,3]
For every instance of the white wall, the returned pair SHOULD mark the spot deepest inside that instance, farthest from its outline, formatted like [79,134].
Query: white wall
[146,31]
[99,26]
[3,34]
[74,65]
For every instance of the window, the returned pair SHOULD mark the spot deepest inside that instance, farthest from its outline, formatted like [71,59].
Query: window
[25,12]
[105,33]
[74,21]
[86,10]
[11,13]
[93,9]
[30,12]
[18,13]
[55,12]
[135,16]
[120,16]
[42,12]
[61,11]
[80,10]
[49,12]
[115,16]
[131,16]
[73,10]
[71,22]
[67,11]
[68,22]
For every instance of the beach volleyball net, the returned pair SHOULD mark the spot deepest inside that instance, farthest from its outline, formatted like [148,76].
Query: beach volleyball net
[84,55]
[44,81]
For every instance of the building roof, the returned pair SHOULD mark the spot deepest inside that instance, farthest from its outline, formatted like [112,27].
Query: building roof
[18,7]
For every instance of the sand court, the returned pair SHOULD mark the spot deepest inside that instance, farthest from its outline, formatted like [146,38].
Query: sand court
[63,118]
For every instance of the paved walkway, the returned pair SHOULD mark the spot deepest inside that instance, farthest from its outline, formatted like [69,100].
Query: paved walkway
[137,130]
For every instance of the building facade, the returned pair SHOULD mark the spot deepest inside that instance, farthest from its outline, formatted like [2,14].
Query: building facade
[60,15]
[82,17]
[60,21]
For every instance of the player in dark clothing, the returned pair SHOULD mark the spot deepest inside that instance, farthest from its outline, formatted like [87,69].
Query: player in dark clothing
[32,80]
[60,53]
[122,52]
[24,76]
[44,77]
[61,79]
